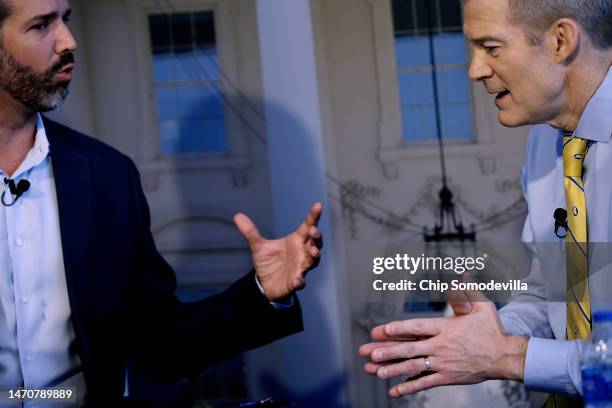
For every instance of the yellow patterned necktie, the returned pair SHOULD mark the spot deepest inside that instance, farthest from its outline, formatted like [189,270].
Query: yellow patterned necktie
[576,242]
[578,307]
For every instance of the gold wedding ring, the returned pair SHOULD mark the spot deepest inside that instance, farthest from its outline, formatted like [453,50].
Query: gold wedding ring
[427,364]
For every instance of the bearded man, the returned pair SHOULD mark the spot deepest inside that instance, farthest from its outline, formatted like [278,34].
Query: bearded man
[83,290]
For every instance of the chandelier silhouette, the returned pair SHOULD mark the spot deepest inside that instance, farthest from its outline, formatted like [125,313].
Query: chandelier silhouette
[448,226]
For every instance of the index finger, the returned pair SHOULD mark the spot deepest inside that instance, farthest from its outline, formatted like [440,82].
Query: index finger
[312,220]
[379,334]
[366,349]
[414,327]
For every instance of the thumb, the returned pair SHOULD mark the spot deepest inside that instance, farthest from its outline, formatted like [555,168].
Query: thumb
[474,296]
[247,228]
[459,302]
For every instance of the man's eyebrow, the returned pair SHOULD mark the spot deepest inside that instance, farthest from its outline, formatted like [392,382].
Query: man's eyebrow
[49,16]
[484,39]
[44,17]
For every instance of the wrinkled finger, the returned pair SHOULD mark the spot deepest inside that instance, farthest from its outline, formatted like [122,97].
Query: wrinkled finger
[408,349]
[314,252]
[366,349]
[378,334]
[416,385]
[311,260]
[314,215]
[371,368]
[299,283]
[315,236]
[247,228]
[312,219]
[415,327]
[459,302]
[408,368]
[474,296]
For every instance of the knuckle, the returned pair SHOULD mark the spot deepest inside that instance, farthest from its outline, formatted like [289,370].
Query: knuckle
[426,383]
[407,349]
[405,388]
[390,371]
[413,367]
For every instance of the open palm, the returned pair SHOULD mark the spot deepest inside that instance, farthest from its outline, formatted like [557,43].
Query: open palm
[281,264]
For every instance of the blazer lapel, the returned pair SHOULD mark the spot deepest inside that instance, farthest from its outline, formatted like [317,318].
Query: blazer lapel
[72,183]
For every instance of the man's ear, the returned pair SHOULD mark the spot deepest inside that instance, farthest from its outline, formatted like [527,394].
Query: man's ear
[564,37]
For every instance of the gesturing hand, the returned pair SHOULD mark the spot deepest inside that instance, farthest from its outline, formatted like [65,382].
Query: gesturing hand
[281,264]
[466,348]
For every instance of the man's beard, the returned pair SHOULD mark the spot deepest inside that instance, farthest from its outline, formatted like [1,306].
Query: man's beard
[40,92]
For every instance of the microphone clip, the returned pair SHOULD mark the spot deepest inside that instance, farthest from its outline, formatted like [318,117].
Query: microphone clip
[15,189]
[560,216]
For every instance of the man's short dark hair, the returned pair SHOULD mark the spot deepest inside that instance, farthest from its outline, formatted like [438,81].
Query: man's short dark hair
[5,11]
[595,17]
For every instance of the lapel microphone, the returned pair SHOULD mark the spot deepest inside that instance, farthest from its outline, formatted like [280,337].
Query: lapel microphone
[560,217]
[16,189]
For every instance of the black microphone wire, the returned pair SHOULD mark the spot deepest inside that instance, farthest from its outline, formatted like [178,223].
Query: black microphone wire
[16,190]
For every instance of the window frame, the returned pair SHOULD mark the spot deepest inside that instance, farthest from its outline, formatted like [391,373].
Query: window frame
[199,84]
[393,149]
[236,158]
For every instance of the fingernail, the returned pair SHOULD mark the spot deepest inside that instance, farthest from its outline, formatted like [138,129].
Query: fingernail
[382,372]
[390,330]
[377,355]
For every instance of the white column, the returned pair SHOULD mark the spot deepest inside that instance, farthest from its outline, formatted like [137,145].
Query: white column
[309,366]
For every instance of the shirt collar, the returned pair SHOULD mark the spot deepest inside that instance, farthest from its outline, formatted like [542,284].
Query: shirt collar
[596,121]
[38,153]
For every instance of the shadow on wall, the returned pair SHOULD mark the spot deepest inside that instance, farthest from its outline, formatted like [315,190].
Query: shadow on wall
[305,368]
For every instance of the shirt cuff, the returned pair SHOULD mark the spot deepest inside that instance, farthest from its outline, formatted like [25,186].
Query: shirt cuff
[277,305]
[553,366]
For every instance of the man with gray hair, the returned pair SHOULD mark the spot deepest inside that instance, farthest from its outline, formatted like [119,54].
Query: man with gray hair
[548,63]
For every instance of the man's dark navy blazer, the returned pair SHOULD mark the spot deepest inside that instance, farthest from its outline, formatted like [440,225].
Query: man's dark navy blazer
[122,291]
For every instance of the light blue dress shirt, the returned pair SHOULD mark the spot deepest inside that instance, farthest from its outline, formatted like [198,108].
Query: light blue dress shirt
[553,363]
[36,333]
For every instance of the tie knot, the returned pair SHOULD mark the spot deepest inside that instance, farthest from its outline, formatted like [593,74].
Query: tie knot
[574,151]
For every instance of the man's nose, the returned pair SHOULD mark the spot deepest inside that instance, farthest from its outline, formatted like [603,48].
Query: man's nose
[479,69]
[65,41]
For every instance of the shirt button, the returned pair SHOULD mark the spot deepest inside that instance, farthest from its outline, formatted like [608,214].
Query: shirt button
[25,300]
[19,242]
[29,358]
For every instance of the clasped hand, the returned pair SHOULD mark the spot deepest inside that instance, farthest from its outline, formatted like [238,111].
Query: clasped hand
[281,264]
[466,348]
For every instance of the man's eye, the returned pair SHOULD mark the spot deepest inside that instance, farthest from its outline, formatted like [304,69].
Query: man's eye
[491,50]
[66,19]
[39,27]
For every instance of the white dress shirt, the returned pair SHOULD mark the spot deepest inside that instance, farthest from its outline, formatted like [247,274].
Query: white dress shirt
[553,363]
[36,333]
